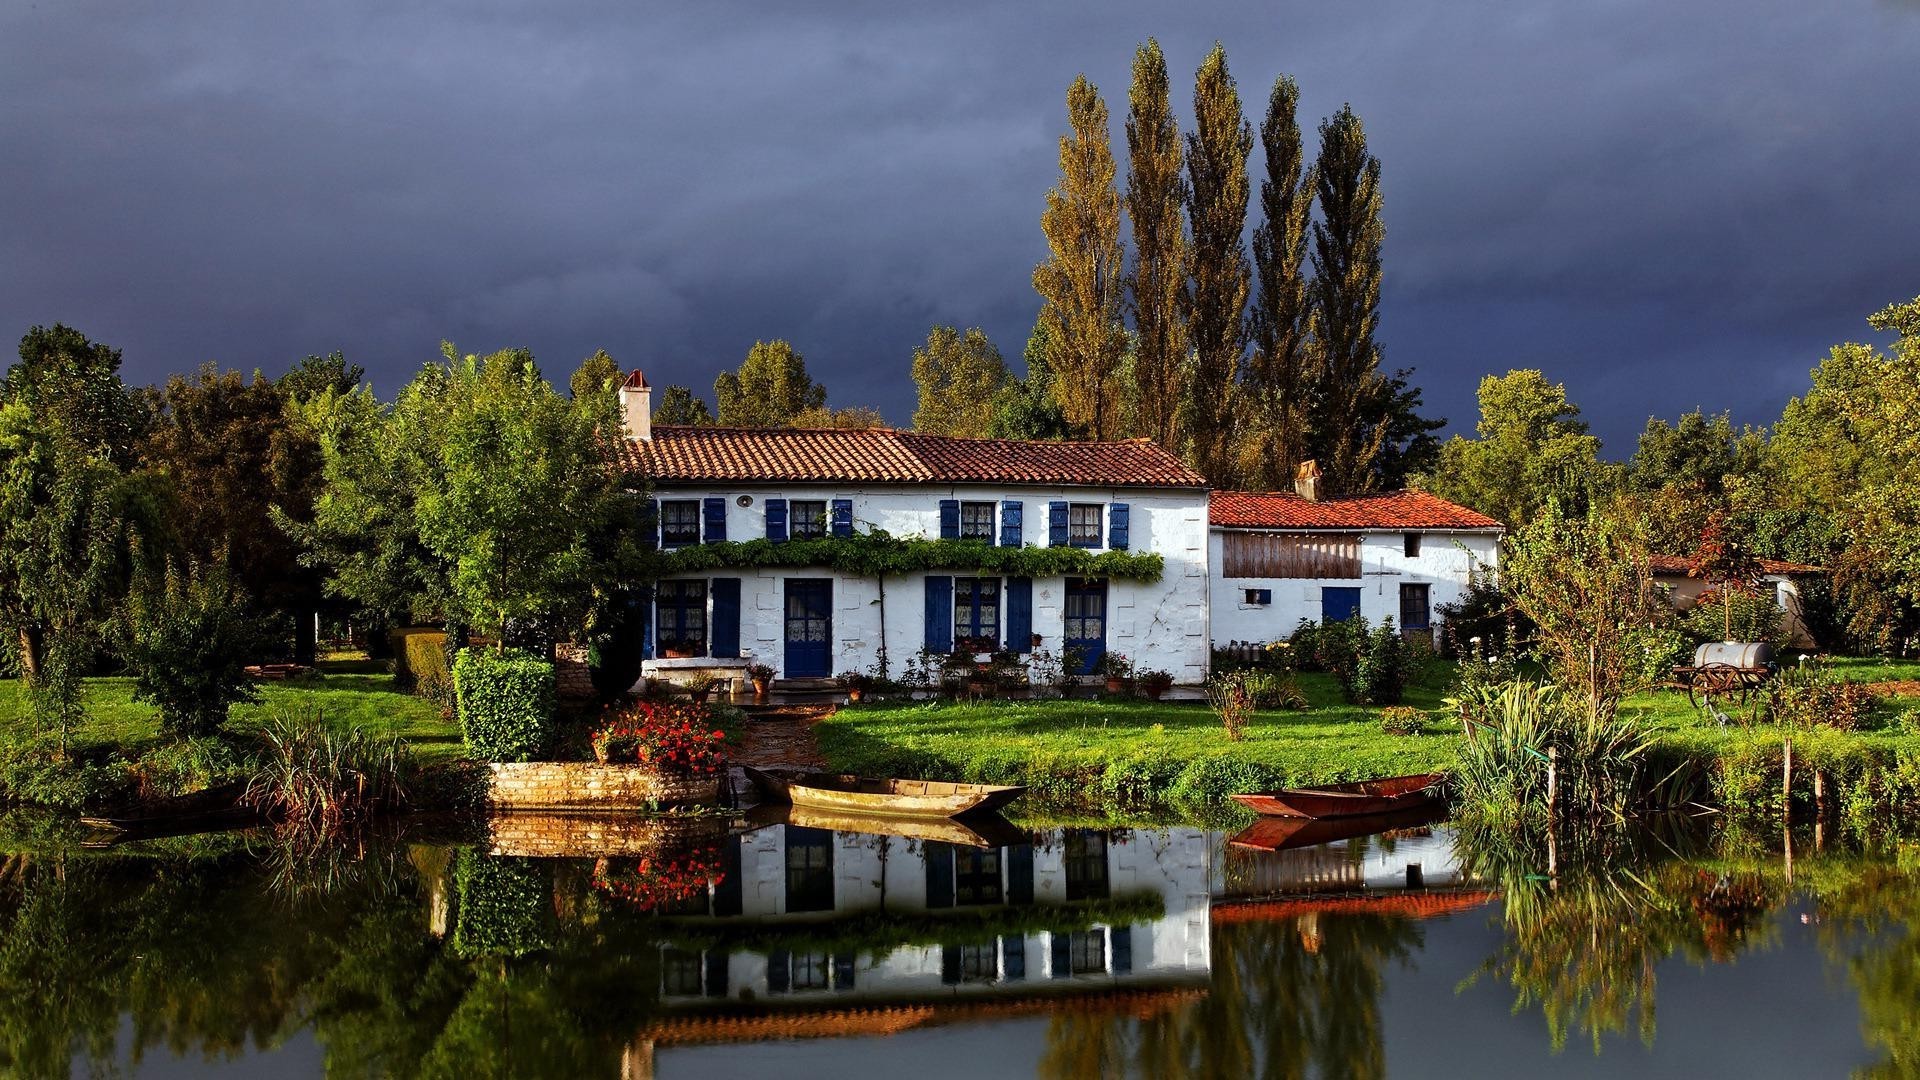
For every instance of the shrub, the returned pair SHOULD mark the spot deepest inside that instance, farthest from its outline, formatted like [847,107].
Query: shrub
[1274,690]
[506,703]
[185,637]
[187,765]
[1402,720]
[1811,695]
[677,738]
[1338,649]
[320,779]
[503,903]
[1232,701]
[1155,682]
[1303,647]
[1755,617]
[1389,663]
[420,663]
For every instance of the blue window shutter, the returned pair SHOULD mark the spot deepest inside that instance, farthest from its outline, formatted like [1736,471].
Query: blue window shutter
[1060,950]
[1010,513]
[1020,614]
[1057,524]
[1120,950]
[843,517]
[939,862]
[940,613]
[1013,957]
[714,529]
[843,971]
[776,519]
[646,623]
[650,523]
[726,616]
[949,519]
[779,972]
[1019,860]
[1119,516]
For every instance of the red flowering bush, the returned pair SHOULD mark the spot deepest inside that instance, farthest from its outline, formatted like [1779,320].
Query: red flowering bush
[653,882]
[674,737]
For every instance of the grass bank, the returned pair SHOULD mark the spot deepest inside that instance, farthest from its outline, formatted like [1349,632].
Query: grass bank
[1127,757]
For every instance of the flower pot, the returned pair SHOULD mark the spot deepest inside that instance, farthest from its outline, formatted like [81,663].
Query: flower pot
[676,654]
[854,694]
[1114,686]
[699,696]
[759,688]
[1154,692]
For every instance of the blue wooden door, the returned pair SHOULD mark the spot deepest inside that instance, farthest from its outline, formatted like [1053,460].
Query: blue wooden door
[809,628]
[1338,604]
[1086,631]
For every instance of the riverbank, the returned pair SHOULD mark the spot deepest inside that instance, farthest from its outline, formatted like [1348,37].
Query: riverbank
[1123,757]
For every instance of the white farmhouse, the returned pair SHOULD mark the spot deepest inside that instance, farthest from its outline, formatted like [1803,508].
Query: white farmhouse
[714,484]
[1280,557]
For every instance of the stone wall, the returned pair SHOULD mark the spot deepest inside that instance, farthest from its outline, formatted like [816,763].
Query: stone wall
[588,786]
[575,836]
[572,679]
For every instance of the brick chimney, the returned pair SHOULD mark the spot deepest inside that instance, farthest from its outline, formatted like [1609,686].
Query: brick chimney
[636,407]
[1306,480]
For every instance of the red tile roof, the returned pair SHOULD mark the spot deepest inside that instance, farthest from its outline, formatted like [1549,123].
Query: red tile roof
[1676,566]
[1388,510]
[706,454]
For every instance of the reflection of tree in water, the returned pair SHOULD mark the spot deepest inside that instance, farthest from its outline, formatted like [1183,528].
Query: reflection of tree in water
[1870,921]
[1288,998]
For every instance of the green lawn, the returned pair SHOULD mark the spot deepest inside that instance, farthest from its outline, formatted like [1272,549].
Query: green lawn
[346,699]
[1128,756]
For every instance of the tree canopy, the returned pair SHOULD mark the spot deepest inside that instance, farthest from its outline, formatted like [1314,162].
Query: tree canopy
[769,389]
[958,376]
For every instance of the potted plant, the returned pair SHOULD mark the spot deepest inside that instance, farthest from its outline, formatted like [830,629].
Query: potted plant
[761,675]
[1117,669]
[702,686]
[856,683]
[1155,683]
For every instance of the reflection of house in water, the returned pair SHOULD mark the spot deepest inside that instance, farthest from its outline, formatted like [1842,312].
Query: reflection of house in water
[817,916]
[1410,859]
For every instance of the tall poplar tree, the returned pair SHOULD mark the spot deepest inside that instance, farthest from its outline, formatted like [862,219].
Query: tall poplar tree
[1156,288]
[1081,280]
[1351,421]
[1280,387]
[1217,300]
[770,388]
[958,376]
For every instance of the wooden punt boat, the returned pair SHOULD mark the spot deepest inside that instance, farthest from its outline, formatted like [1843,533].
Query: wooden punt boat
[886,798]
[979,830]
[1288,833]
[1346,800]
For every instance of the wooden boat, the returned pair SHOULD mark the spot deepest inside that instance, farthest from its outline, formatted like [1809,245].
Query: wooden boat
[1288,833]
[980,830]
[196,810]
[1357,799]
[886,798]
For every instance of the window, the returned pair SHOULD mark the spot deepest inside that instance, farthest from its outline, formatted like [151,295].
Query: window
[1086,865]
[683,618]
[809,869]
[1083,524]
[1416,612]
[1412,541]
[976,614]
[976,876]
[1088,948]
[807,519]
[977,963]
[1259,597]
[976,521]
[679,522]
[812,971]
[681,971]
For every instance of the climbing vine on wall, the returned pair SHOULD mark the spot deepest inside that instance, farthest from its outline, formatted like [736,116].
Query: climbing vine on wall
[877,553]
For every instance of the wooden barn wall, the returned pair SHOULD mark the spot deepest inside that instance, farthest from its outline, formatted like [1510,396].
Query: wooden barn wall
[1290,555]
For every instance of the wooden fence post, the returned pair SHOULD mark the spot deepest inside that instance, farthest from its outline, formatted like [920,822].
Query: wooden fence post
[1553,780]
[1786,780]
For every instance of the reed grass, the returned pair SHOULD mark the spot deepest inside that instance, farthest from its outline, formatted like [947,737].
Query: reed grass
[317,778]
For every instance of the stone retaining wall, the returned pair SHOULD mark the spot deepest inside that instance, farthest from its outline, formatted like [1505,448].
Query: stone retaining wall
[575,836]
[589,786]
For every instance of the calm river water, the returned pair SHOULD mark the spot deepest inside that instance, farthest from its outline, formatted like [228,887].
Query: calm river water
[784,949]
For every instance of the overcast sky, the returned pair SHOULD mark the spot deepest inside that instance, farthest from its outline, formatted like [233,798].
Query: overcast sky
[1664,205]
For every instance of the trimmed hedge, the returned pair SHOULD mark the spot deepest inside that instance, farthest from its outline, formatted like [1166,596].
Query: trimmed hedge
[506,703]
[504,906]
[420,663]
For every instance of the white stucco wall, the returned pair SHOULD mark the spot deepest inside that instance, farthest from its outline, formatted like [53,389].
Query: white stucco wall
[1445,561]
[1160,625]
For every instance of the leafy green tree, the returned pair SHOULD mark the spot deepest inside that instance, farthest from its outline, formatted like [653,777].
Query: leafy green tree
[520,503]
[1156,287]
[72,386]
[1025,408]
[958,376]
[1347,239]
[318,374]
[847,418]
[1281,390]
[186,634]
[678,405]
[229,451]
[769,389]
[1532,448]
[1221,278]
[1689,471]
[597,374]
[1408,446]
[1081,281]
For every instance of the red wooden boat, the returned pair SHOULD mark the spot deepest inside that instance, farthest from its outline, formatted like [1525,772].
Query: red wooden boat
[1357,799]
[1288,833]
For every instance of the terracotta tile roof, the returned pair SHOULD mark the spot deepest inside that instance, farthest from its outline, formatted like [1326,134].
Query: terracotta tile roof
[730,1024]
[706,454]
[1389,510]
[1676,566]
[1424,904]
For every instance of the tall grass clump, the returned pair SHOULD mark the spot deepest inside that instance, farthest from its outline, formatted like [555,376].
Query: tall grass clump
[315,778]
[1519,733]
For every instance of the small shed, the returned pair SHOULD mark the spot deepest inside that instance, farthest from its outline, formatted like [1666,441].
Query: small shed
[1780,577]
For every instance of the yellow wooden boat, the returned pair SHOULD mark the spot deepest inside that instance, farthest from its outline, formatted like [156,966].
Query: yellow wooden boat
[980,830]
[886,798]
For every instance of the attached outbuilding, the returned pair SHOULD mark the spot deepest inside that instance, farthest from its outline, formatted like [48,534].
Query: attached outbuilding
[1282,557]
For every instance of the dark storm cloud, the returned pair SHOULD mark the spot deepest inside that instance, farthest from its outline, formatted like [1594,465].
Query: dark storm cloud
[1664,205]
